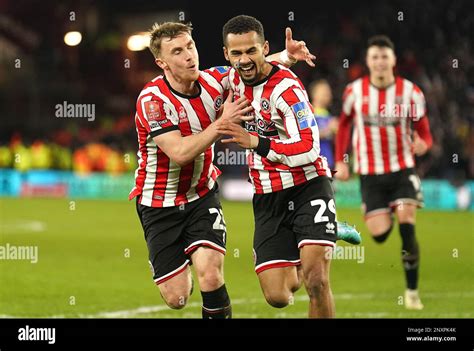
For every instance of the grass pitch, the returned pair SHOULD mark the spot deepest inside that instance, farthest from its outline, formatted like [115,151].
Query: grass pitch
[92,262]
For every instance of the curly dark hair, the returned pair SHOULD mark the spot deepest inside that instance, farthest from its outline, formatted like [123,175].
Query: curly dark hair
[242,24]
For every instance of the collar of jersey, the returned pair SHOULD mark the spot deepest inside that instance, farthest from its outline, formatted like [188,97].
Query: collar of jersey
[184,96]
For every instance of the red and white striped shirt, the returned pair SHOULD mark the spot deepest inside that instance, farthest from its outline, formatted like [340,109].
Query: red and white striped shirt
[383,121]
[159,181]
[288,151]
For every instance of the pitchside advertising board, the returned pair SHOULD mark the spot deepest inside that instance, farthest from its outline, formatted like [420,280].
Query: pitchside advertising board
[438,194]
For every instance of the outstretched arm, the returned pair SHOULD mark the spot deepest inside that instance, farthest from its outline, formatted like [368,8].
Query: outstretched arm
[294,51]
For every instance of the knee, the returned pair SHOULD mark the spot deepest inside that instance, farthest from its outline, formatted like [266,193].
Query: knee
[406,213]
[211,279]
[175,301]
[278,299]
[380,238]
[380,227]
[317,283]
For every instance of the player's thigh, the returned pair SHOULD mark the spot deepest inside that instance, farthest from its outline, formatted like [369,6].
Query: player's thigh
[379,223]
[205,236]
[314,218]
[375,195]
[164,232]
[407,196]
[315,265]
[205,225]
[176,290]
[274,243]
[209,267]
[278,284]
[276,258]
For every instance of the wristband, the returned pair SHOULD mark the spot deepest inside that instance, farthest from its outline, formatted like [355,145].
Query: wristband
[285,58]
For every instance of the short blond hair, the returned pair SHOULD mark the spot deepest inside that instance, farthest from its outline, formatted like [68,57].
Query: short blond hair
[166,30]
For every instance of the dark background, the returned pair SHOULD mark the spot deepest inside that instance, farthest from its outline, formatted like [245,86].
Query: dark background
[431,36]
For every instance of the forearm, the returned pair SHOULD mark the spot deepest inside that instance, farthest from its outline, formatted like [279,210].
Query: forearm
[291,152]
[342,137]
[193,145]
[183,150]
[423,129]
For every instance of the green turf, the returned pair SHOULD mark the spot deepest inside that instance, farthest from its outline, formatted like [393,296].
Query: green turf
[83,259]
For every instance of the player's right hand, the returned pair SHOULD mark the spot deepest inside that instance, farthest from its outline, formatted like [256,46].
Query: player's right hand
[342,171]
[236,111]
[419,146]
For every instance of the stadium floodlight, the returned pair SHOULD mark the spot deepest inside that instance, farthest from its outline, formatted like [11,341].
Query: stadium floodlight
[138,42]
[72,38]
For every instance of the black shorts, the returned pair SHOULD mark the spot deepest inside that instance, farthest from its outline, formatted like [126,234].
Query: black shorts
[382,193]
[173,233]
[288,219]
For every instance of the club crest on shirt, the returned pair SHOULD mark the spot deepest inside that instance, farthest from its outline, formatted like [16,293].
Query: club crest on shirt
[304,115]
[218,102]
[265,105]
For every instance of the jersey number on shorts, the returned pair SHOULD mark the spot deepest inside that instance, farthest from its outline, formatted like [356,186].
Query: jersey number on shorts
[219,223]
[322,208]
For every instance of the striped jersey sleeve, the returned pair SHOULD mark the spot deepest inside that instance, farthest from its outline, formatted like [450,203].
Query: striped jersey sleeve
[221,75]
[155,116]
[418,103]
[343,135]
[302,146]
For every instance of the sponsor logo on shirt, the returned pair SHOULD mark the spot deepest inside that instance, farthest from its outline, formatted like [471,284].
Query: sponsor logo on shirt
[304,115]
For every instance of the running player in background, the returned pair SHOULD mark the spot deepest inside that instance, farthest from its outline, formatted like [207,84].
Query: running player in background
[321,98]
[175,183]
[294,208]
[390,126]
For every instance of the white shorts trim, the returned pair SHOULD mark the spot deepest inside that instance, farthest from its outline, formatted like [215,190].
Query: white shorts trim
[316,242]
[157,280]
[268,263]
[397,202]
[206,243]
[377,212]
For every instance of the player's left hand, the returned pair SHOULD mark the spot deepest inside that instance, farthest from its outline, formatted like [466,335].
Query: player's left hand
[237,135]
[297,49]
[419,145]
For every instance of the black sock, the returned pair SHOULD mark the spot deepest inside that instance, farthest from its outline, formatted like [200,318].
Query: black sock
[410,254]
[216,304]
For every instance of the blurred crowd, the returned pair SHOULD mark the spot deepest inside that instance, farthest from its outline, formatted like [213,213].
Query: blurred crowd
[82,150]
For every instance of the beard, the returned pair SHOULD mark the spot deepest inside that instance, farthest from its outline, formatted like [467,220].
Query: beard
[249,73]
